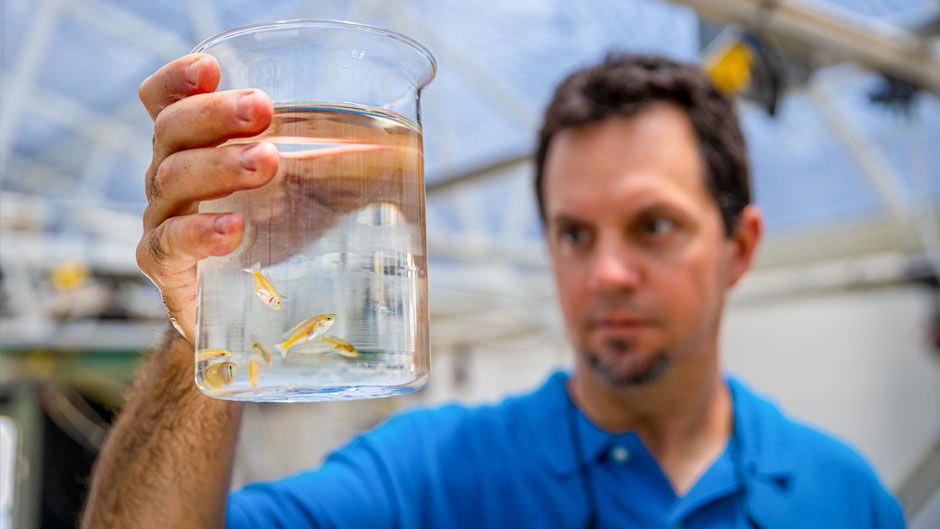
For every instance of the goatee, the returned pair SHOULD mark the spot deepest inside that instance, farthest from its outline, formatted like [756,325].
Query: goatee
[618,372]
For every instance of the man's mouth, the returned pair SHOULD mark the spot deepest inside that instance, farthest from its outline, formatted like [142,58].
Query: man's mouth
[621,323]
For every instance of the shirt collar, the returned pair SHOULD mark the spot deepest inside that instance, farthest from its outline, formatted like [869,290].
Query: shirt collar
[762,433]
[545,417]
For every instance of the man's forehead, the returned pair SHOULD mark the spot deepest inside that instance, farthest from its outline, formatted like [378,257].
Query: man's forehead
[653,153]
[637,196]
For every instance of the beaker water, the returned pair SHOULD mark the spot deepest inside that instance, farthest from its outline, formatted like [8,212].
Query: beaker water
[338,231]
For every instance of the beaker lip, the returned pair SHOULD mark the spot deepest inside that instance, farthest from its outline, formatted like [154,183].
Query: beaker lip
[318,22]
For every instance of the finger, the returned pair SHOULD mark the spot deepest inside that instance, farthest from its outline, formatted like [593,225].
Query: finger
[206,120]
[168,253]
[196,73]
[202,174]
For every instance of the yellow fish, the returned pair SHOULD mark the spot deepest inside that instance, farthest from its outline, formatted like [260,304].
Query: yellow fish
[214,353]
[343,347]
[261,352]
[217,375]
[305,331]
[253,369]
[264,288]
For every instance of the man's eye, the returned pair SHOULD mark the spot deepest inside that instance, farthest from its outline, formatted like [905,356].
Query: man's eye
[658,227]
[574,235]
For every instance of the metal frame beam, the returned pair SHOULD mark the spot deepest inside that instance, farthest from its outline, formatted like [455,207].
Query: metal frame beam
[19,87]
[490,171]
[843,34]
[128,26]
[510,101]
[867,156]
[203,18]
[111,141]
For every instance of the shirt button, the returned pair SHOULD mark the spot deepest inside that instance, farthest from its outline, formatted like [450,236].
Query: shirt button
[619,454]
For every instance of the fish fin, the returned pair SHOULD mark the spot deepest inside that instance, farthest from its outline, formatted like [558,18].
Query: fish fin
[255,268]
[281,349]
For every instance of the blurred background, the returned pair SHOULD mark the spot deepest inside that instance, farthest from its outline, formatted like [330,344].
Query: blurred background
[839,323]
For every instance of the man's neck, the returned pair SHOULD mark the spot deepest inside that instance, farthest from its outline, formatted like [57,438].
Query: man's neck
[684,419]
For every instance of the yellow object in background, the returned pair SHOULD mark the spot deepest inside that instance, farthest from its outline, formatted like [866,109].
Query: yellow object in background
[69,275]
[730,66]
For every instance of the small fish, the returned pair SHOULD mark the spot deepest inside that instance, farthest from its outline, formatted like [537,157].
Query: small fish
[261,352]
[214,353]
[264,288]
[217,375]
[344,348]
[305,331]
[253,369]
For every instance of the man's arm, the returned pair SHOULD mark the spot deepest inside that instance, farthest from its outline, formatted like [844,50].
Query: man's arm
[168,459]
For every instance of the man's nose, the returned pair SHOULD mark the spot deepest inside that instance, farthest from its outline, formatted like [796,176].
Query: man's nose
[614,267]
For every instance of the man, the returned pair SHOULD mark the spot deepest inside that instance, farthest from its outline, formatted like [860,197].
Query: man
[642,184]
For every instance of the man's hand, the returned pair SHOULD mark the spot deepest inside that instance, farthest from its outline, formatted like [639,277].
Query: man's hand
[190,121]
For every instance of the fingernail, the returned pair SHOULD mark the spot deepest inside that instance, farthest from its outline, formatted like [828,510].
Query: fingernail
[250,157]
[192,73]
[223,223]
[243,106]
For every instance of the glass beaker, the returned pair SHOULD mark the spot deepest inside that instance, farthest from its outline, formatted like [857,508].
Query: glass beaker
[326,296]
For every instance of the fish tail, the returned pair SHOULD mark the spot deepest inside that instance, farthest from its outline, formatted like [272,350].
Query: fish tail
[255,268]
[282,348]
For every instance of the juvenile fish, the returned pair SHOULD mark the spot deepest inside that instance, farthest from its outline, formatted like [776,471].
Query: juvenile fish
[343,347]
[213,353]
[305,331]
[261,352]
[217,375]
[253,369]
[264,287]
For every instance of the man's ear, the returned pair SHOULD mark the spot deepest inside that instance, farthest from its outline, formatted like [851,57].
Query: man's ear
[743,242]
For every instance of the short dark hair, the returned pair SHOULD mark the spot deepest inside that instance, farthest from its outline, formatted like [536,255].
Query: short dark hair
[623,86]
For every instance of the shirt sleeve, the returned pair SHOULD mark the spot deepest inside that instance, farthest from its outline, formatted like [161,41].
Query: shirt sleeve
[350,489]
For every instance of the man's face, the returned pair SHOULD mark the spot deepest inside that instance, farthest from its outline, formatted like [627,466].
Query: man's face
[641,259]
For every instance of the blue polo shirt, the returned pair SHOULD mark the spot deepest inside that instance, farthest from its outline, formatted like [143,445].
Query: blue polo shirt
[514,464]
